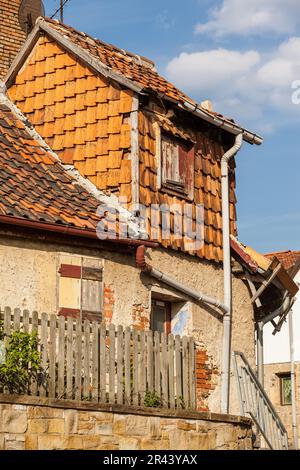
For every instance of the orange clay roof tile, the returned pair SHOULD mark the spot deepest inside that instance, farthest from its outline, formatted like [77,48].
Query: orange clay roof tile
[287,258]
[34,184]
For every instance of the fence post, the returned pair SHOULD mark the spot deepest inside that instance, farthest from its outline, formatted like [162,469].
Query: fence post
[102,359]
[86,360]
[95,361]
[185,371]
[171,370]
[192,373]
[52,356]
[112,363]
[178,363]
[34,329]
[164,370]
[78,359]
[70,361]
[61,358]
[149,342]
[120,355]
[128,369]
[44,353]
[135,340]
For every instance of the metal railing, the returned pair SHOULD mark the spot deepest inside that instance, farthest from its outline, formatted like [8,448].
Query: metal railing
[255,402]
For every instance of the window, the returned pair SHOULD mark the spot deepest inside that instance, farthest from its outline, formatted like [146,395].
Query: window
[80,288]
[177,160]
[285,389]
[161,316]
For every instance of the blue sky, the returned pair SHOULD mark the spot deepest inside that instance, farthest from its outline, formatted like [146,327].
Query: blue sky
[244,57]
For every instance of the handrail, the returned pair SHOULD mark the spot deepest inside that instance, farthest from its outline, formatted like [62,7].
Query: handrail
[255,402]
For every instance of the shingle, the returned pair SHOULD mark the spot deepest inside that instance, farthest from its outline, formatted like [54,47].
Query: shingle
[27,187]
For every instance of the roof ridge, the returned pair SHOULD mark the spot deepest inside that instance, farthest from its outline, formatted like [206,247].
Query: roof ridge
[281,252]
[137,57]
[109,201]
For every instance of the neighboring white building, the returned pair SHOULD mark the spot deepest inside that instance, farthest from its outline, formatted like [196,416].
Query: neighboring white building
[277,347]
[277,370]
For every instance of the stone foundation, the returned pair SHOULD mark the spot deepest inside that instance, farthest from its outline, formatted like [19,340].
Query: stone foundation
[43,424]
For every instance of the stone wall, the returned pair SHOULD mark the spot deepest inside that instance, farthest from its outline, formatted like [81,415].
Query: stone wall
[28,423]
[273,372]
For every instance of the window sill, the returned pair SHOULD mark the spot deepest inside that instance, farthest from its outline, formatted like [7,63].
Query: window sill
[175,192]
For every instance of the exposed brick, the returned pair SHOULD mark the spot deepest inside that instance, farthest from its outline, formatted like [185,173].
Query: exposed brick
[12,37]
[109,302]
[140,317]
[204,380]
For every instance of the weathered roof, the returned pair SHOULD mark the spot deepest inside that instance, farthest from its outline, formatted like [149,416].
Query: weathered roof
[35,185]
[287,258]
[140,73]
[265,265]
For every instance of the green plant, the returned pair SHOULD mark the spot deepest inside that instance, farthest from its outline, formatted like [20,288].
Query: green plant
[152,400]
[22,362]
[181,402]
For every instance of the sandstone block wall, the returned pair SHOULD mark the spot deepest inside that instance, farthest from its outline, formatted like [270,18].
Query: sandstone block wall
[28,423]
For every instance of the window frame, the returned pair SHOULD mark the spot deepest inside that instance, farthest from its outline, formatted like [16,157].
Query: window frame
[282,377]
[168,315]
[187,191]
[82,273]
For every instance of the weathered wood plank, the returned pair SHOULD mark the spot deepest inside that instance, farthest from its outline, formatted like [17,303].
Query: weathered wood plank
[120,355]
[52,357]
[7,325]
[86,360]
[61,358]
[44,354]
[112,363]
[78,359]
[69,359]
[95,361]
[178,372]
[192,373]
[164,371]
[150,378]
[142,368]
[17,319]
[102,359]
[135,343]
[157,383]
[26,321]
[171,370]
[185,371]
[128,369]
[34,330]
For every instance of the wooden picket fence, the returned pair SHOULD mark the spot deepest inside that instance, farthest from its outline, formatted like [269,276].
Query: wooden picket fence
[88,361]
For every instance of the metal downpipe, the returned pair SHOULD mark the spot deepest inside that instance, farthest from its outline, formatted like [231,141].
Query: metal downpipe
[227,320]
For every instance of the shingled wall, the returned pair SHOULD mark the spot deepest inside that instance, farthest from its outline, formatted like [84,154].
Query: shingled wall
[83,117]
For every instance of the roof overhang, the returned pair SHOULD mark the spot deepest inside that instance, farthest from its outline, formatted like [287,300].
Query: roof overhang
[272,287]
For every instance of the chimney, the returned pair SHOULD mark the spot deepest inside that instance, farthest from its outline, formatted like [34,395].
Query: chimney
[11,35]
[207,105]
[17,18]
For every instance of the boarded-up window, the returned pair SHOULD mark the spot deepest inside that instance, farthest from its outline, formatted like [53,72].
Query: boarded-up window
[177,165]
[81,289]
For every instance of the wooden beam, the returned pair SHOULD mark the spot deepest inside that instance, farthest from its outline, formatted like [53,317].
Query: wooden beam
[134,154]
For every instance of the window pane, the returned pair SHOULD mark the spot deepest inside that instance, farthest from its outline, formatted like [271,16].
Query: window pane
[158,319]
[91,295]
[286,390]
[170,153]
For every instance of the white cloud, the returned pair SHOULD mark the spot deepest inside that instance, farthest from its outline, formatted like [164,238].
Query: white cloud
[253,17]
[210,69]
[256,89]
